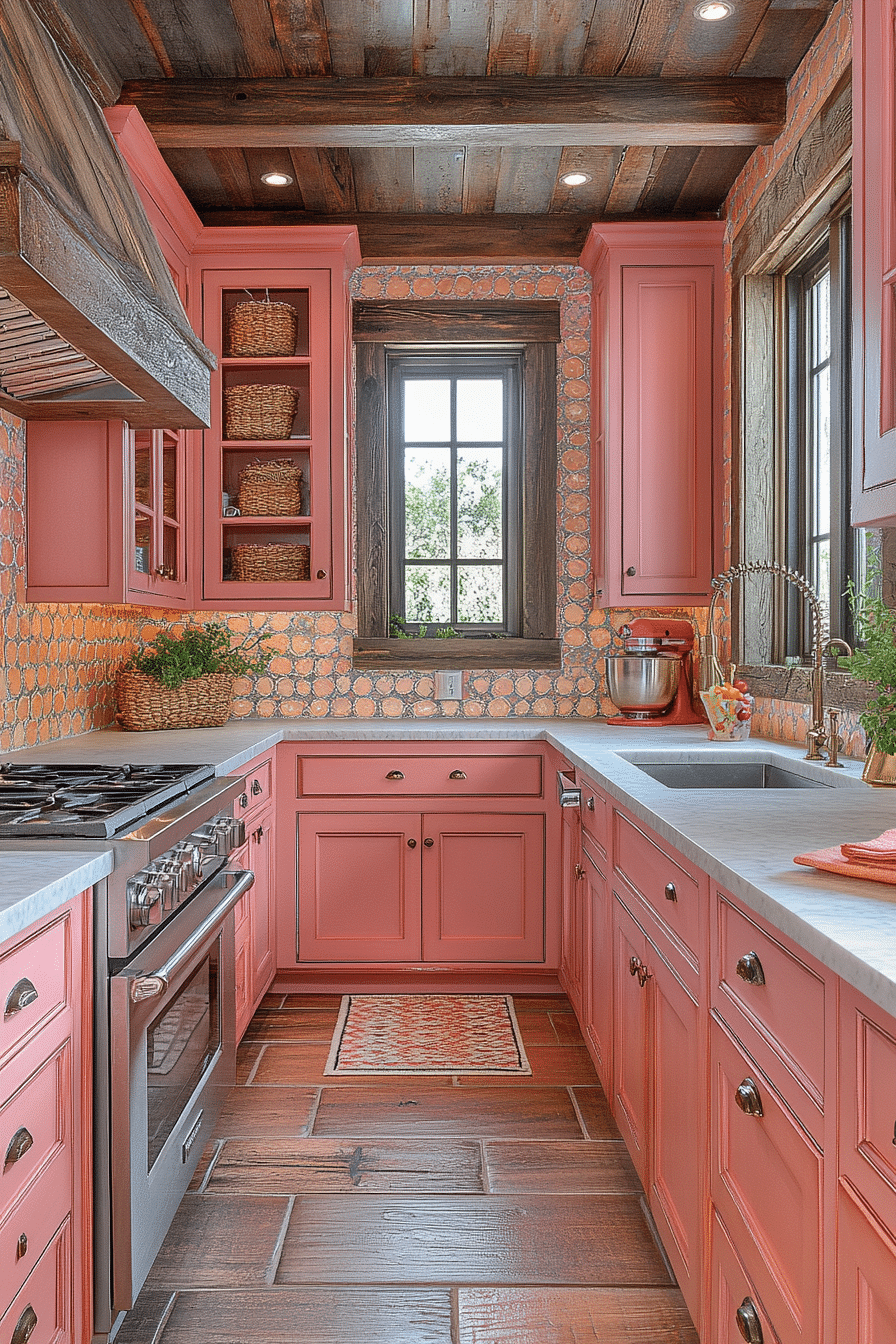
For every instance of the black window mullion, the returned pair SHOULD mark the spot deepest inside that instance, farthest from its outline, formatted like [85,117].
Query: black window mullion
[453,537]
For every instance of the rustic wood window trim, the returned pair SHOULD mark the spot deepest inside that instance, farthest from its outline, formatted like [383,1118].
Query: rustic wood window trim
[534,328]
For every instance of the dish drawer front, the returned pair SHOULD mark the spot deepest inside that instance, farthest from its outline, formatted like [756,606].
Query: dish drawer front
[395,776]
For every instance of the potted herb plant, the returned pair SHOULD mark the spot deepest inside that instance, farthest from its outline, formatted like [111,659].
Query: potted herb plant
[874,661]
[185,680]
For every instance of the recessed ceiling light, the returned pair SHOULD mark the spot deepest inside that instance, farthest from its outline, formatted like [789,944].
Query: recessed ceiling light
[711,10]
[576,179]
[276,179]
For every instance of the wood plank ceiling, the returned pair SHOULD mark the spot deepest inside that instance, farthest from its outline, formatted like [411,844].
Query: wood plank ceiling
[441,127]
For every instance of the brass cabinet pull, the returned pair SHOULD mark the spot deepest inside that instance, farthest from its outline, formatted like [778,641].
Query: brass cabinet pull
[412,843]
[633,966]
[669,892]
[395,774]
[580,872]
[19,1144]
[458,774]
[637,967]
[748,1099]
[321,573]
[748,1323]
[21,994]
[258,835]
[428,842]
[631,571]
[256,788]
[24,1326]
[749,968]
[21,1247]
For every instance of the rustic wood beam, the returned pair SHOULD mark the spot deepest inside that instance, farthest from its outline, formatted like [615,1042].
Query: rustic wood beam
[395,238]
[194,113]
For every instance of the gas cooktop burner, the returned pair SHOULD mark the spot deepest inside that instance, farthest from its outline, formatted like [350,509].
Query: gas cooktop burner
[87,800]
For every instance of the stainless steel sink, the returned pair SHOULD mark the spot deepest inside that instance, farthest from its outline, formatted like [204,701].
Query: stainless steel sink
[727,775]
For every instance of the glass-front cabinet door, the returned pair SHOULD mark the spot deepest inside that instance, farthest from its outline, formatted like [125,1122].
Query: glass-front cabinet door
[158,561]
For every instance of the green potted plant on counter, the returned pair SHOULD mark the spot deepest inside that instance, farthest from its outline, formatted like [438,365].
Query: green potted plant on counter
[185,680]
[874,661]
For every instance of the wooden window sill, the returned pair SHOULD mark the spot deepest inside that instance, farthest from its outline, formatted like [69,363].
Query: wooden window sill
[376,654]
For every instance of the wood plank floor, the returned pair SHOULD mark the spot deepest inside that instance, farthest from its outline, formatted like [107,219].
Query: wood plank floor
[417,1210]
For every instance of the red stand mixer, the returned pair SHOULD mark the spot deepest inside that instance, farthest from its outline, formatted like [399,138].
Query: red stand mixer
[652,682]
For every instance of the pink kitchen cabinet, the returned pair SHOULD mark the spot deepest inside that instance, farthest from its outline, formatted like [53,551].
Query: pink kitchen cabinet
[108,513]
[45,1120]
[255,931]
[573,933]
[631,1020]
[866,1299]
[657,324]
[597,972]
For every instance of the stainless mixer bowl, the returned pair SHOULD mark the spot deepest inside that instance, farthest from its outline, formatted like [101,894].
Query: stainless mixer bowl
[642,685]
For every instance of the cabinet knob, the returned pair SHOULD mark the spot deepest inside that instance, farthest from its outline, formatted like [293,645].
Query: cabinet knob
[749,968]
[21,994]
[18,1146]
[244,800]
[395,774]
[580,872]
[21,1246]
[748,1323]
[748,1099]
[412,843]
[428,842]
[633,966]
[669,892]
[321,573]
[256,788]
[590,804]
[24,1326]
[258,835]
[631,571]
[458,774]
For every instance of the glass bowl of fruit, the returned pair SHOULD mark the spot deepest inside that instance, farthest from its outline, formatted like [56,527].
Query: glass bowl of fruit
[729,710]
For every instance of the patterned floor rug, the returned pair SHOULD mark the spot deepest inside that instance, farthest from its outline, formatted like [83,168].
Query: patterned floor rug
[427,1033]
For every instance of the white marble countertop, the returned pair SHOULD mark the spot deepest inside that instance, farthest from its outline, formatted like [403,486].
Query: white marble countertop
[744,839]
[34,883]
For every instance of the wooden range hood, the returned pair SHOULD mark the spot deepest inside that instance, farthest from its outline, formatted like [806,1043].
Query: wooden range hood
[91,325]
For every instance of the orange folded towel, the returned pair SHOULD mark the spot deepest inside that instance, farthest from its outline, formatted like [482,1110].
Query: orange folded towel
[882,850]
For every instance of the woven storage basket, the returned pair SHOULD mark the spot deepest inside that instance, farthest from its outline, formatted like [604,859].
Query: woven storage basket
[271,488]
[276,563]
[144,704]
[262,328]
[259,411]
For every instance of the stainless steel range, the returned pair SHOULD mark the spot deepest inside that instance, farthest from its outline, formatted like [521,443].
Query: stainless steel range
[164,1045]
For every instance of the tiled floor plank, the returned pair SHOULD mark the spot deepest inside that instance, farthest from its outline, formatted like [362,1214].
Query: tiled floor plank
[228,1242]
[566,1064]
[294,1166]
[573,1316]
[293,1024]
[497,1239]
[595,1113]
[270,1112]
[415,1110]
[143,1321]
[311,1316]
[603,1167]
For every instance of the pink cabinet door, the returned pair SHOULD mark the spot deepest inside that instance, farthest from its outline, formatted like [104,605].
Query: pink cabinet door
[359,886]
[631,1093]
[598,965]
[735,1305]
[571,909]
[866,1276]
[261,844]
[766,1181]
[483,887]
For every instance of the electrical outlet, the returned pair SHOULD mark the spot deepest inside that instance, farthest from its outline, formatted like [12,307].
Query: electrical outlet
[449,685]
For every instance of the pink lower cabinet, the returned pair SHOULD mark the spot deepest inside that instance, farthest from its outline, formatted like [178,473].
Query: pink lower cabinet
[405,887]
[866,1278]
[736,1311]
[658,1094]
[572,910]
[766,1185]
[597,976]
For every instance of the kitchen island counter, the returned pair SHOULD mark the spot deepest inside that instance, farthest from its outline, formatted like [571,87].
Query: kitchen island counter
[37,882]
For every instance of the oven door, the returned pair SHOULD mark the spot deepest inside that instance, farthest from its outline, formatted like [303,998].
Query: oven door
[173,1053]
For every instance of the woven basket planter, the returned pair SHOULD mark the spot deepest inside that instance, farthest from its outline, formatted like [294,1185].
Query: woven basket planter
[258,328]
[259,410]
[145,705]
[277,563]
[271,488]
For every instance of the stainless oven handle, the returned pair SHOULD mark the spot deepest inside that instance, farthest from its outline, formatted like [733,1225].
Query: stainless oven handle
[150,986]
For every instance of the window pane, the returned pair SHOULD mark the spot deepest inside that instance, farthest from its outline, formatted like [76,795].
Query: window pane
[821,319]
[427,503]
[427,410]
[480,410]
[480,491]
[427,593]
[820,450]
[480,599]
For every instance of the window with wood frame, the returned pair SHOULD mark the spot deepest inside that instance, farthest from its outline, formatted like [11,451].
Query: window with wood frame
[456,467]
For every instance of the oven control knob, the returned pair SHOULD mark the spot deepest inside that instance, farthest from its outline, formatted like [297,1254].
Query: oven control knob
[168,884]
[190,857]
[144,903]
[237,830]
[176,870]
[214,837]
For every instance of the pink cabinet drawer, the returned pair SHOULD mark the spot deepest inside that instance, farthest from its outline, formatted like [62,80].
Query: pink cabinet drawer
[766,1182]
[733,1293]
[28,1228]
[35,982]
[868,1100]
[779,995]
[595,821]
[257,791]
[34,1124]
[435,775]
[675,894]
[41,1311]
